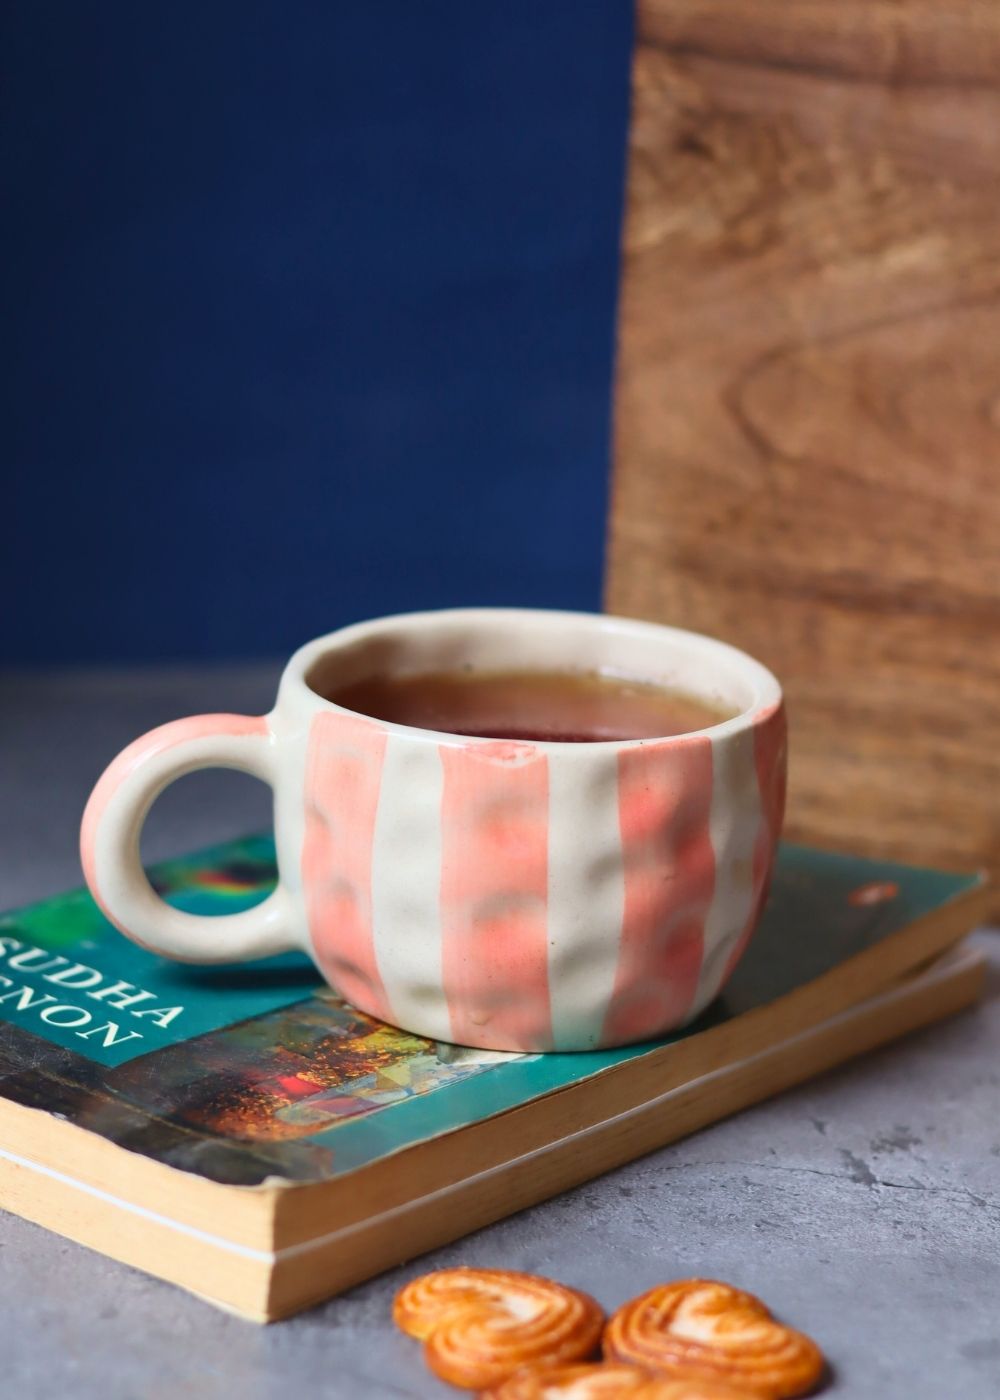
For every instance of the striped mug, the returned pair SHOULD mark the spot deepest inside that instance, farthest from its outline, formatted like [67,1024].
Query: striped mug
[503,894]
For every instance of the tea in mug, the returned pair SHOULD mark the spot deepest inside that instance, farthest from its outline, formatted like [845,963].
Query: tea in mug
[553,706]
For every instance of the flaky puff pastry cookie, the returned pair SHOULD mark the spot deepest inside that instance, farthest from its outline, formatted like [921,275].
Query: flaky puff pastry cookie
[700,1329]
[480,1325]
[606,1381]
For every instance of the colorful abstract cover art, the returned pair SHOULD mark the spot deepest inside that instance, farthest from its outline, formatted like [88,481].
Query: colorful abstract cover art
[257,1070]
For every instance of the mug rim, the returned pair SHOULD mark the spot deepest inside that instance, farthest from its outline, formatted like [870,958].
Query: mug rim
[767,692]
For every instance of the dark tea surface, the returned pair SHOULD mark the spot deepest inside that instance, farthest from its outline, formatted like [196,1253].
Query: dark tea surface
[565,706]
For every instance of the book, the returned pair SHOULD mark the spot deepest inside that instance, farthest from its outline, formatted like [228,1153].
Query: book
[244,1133]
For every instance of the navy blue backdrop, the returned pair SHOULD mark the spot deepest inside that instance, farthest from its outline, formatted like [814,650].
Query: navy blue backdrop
[311,315]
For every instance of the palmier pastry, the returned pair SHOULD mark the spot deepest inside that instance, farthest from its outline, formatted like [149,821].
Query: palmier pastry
[480,1325]
[699,1329]
[606,1381]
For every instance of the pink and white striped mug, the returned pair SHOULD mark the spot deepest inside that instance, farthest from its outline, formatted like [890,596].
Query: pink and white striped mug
[503,894]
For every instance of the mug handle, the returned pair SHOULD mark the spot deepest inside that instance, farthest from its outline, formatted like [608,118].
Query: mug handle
[113,822]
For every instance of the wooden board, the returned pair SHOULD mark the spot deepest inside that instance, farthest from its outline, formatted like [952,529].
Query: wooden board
[808,397]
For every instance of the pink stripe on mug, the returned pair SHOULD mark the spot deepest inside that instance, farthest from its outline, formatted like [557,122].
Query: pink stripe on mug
[494,888]
[770,747]
[342,782]
[664,799]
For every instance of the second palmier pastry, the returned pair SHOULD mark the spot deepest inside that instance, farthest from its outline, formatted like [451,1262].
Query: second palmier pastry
[700,1329]
[480,1325]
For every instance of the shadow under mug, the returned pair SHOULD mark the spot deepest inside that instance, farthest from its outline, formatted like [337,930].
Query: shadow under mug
[504,894]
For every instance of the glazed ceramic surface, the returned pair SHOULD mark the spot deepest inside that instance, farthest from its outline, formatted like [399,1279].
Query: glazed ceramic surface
[504,894]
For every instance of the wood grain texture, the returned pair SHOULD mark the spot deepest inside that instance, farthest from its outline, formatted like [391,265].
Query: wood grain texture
[807,456]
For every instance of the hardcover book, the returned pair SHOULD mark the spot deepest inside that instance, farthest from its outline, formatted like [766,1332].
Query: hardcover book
[244,1133]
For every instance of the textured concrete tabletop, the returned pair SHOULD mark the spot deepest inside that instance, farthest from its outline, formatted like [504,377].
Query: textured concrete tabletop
[864,1207]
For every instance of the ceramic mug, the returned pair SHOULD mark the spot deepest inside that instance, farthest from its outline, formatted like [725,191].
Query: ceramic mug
[503,894]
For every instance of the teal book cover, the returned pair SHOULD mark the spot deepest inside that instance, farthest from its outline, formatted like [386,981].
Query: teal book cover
[255,1072]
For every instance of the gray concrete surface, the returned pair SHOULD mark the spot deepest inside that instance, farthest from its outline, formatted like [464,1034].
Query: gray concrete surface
[865,1207]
